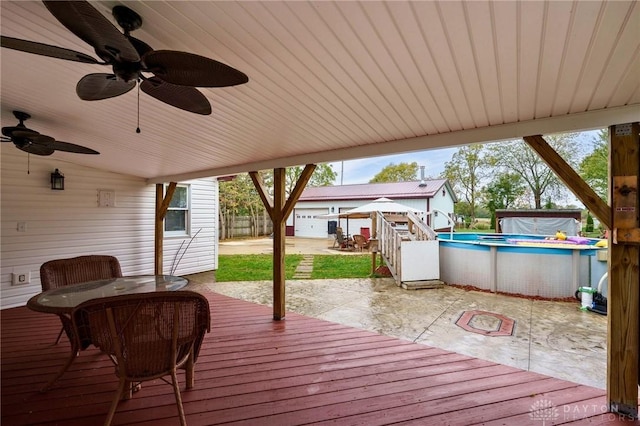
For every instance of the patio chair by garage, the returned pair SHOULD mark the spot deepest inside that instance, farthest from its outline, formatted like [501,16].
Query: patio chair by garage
[147,336]
[342,241]
[360,242]
[63,272]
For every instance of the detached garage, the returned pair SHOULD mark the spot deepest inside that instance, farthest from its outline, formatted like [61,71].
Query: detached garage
[307,221]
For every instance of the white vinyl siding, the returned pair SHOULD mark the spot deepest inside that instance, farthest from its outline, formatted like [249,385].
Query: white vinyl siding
[69,223]
[202,253]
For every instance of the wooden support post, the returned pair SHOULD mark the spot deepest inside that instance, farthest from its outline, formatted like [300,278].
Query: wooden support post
[373,262]
[279,239]
[279,209]
[162,205]
[624,276]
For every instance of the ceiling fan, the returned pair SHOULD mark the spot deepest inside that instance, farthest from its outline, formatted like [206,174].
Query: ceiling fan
[167,75]
[33,142]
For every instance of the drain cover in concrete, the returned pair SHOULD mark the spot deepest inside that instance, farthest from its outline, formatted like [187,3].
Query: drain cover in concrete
[486,323]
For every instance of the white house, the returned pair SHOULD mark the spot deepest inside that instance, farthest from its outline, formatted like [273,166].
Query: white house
[427,196]
[98,212]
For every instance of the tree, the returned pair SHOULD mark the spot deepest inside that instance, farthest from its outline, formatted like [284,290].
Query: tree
[463,210]
[589,227]
[502,193]
[401,172]
[517,157]
[323,175]
[237,197]
[594,168]
[465,172]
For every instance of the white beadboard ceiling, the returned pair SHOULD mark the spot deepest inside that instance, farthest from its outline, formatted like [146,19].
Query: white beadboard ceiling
[335,80]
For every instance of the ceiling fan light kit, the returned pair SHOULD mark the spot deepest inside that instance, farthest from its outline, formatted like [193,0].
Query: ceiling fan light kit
[175,74]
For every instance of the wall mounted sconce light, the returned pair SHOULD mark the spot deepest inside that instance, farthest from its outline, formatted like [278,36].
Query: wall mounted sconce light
[57,180]
[333,209]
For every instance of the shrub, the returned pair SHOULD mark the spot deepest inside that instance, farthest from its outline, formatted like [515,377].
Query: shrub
[482,226]
[589,223]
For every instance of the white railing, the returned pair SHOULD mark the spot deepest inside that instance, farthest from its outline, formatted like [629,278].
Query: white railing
[420,230]
[452,224]
[390,240]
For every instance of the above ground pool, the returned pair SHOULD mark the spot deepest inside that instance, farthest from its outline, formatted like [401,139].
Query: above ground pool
[530,265]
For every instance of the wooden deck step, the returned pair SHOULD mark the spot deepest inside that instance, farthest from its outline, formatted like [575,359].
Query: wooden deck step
[418,285]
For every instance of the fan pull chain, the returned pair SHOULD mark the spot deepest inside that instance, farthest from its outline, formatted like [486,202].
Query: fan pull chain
[138,128]
[28,163]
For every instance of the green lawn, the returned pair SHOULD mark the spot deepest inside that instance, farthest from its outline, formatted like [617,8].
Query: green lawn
[259,267]
[339,266]
[252,267]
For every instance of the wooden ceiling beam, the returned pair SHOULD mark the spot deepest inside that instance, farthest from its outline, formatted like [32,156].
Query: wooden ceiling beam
[267,201]
[302,182]
[565,172]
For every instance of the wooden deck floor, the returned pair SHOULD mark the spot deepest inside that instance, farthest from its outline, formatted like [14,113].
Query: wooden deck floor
[256,371]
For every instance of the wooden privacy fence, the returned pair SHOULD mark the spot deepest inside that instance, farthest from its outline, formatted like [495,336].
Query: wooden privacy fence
[244,226]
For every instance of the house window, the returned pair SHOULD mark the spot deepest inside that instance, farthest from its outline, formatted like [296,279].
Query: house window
[176,222]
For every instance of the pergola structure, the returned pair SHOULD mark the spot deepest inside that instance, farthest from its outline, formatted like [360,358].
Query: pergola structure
[331,81]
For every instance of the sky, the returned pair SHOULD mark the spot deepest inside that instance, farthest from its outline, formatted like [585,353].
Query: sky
[363,170]
[359,171]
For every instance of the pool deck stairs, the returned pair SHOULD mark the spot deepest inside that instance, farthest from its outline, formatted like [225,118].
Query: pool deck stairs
[411,254]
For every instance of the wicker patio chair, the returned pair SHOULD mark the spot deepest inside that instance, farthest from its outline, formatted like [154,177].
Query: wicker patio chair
[344,242]
[63,272]
[360,243]
[147,337]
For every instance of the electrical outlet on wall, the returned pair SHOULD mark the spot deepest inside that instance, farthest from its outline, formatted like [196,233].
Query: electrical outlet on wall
[106,198]
[21,278]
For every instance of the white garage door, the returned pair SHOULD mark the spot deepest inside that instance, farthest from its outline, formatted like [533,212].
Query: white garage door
[309,225]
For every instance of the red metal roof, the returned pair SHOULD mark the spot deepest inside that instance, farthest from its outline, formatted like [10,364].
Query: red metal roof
[371,191]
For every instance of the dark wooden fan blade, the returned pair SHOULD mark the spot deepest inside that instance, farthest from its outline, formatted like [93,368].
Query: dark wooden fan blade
[183,97]
[94,87]
[46,50]
[141,46]
[35,149]
[71,147]
[86,22]
[11,131]
[29,135]
[187,69]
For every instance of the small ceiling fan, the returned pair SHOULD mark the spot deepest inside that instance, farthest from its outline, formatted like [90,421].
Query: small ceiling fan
[33,142]
[167,75]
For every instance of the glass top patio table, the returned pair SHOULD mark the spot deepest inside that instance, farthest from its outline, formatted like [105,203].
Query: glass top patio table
[63,299]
